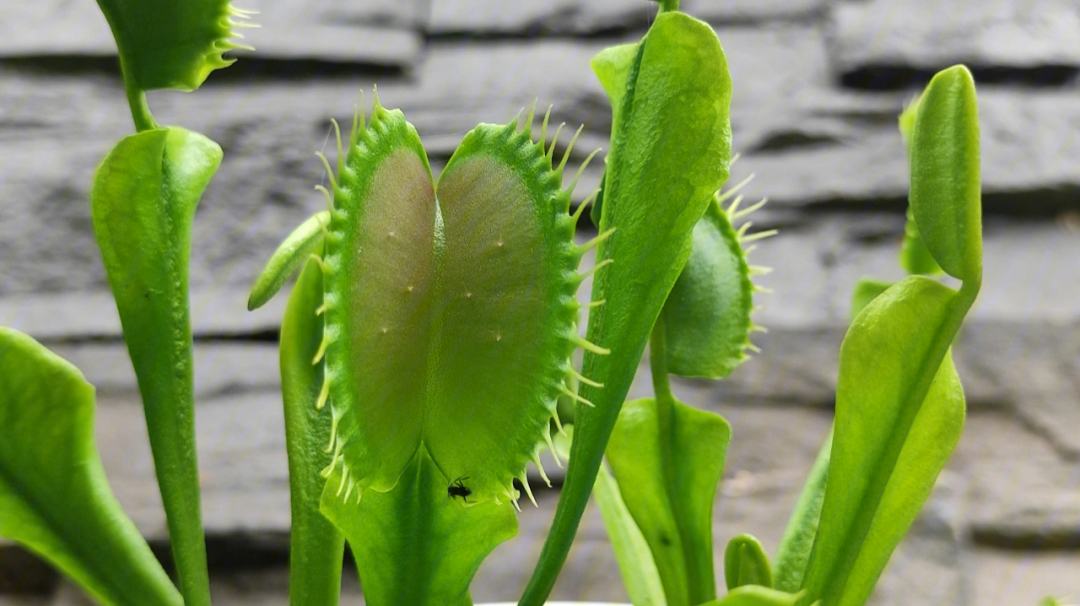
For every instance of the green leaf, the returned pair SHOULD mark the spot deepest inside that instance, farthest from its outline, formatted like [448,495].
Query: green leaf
[794,550]
[745,563]
[945,191]
[450,318]
[915,257]
[899,414]
[142,204]
[671,497]
[753,595]
[54,497]
[707,314]
[315,546]
[866,290]
[290,256]
[416,544]
[171,44]
[669,155]
[639,573]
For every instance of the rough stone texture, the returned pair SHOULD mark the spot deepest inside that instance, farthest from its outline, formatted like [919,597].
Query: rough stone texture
[933,34]
[372,32]
[818,86]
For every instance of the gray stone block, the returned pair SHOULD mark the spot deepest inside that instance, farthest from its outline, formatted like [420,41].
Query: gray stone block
[933,34]
[752,11]
[497,17]
[374,32]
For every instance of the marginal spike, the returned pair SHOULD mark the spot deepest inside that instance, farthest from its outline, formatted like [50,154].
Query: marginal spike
[734,159]
[749,249]
[735,216]
[762,289]
[527,128]
[550,153]
[524,479]
[329,171]
[581,169]
[590,199]
[319,260]
[573,395]
[515,122]
[322,349]
[590,346]
[516,506]
[340,154]
[344,478]
[753,348]
[543,127]
[724,196]
[582,378]
[540,466]
[594,304]
[334,418]
[348,492]
[595,241]
[760,270]
[742,230]
[329,198]
[756,328]
[734,207]
[320,310]
[325,229]
[758,236]
[324,393]
[592,270]
[333,461]
[569,148]
[375,103]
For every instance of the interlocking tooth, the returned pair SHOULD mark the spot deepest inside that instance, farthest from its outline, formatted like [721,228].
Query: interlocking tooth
[348,491]
[540,466]
[550,153]
[595,241]
[758,236]
[762,289]
[753,348]
[594,304]
[551,444]
[739,214]
[319,260]
[329,198]
[569,147]
[340,154]
[574,395]
[590,199]
[322,349]
[739,233]
[581,169]
[756,328]
[324,393]
[329,171]
[724,196]
[543,128]
[592,270]
[759,270]
[344,478]
[580,377]
[320,310]
[527,127]
[326,473]
[589,346]
[335,416]
[524,479]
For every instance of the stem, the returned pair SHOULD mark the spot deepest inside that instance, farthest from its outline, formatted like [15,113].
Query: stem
[668,5]
[665,402]
[136,97]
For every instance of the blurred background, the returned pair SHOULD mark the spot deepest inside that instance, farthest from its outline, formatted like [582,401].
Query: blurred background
[818,85]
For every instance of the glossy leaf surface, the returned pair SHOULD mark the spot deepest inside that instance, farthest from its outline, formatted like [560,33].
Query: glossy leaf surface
[671,498]
[54,497]
[707,314]
[416,544]
[745,563]
[171,44]
[945,173]
[316,546]
[142,204]
[899,414]
[639,573]
[669,155]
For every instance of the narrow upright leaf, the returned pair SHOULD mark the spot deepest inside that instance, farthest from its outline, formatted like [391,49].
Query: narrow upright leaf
[291,255]
[669,155]
[639,573]
[54,497]
[794,551]
[316,546]
[142,204]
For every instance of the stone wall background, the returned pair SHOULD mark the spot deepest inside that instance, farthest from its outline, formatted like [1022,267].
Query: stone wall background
[818,87]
